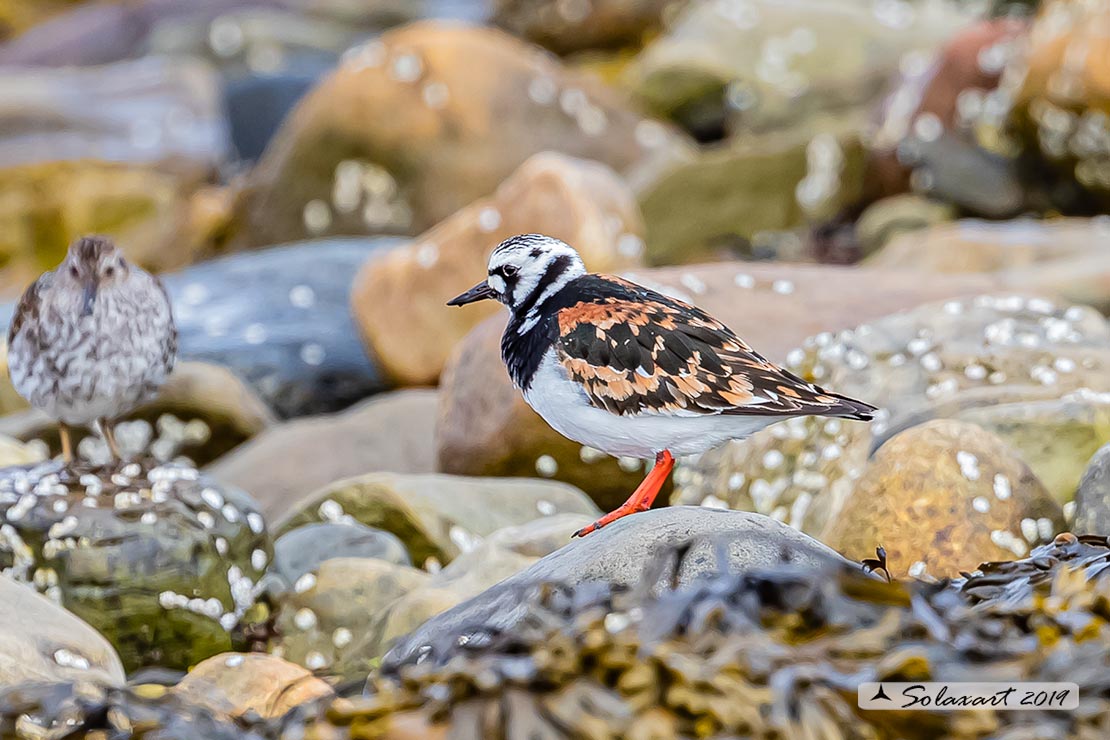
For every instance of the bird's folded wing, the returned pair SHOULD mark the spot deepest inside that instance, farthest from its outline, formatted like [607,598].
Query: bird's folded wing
[654,354]
[28,306]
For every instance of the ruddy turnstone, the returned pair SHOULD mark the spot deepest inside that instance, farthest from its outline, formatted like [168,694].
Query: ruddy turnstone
[92,339]
[629,371]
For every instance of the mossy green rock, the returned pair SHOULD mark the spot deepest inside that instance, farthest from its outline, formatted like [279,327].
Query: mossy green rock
[1055,437]
[439,516]
[160,560]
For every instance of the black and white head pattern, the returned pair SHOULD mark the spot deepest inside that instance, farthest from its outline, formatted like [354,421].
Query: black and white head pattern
[526,270]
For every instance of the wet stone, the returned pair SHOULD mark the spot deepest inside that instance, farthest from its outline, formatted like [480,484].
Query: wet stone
[158,558]
[43,642]
[325,617]
[623,554]
[280,318]
[303,549]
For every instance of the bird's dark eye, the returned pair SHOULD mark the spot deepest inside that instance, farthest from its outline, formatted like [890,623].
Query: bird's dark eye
[509,270]
[109,271]
[73,271]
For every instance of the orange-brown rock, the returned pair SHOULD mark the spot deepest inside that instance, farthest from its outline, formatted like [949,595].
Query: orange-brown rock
[237,684]
[942,498]
[427,118]
[485,428]
[399,297]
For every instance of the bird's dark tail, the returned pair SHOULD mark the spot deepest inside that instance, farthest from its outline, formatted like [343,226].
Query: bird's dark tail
[850,408]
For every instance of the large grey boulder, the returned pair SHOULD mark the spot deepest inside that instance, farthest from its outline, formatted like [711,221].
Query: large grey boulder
[625,553]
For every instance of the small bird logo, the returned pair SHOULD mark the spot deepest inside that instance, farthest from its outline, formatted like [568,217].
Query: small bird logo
[629,371]
[91,339]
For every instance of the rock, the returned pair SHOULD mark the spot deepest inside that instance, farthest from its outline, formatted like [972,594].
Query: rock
[729,196]
[286,463]
[281,319]
[163,561]
[567,27]
[117,150]
[924,140]
[501,555]
[487,429]
[200,413]
[1055,108]
[938,360]
[250,685]
[399,298]
[438,516]
[98,33]
[303,549]
[341,603]
[336,167]
[14,452]
[1054,437]
[41,642]
[258,103]
[1092,500]
[585,661]
[621,555]
[16,16]
[139,206]
[895,215]
[149,111]
[761,64]
[942,498]
[1066,257]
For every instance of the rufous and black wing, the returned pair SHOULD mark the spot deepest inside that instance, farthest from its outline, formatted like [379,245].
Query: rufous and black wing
[635,351]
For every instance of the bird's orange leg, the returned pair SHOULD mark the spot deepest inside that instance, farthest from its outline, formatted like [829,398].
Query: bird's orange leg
[641,499]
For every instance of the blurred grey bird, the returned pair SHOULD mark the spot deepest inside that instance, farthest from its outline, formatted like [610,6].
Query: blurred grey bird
[91,340]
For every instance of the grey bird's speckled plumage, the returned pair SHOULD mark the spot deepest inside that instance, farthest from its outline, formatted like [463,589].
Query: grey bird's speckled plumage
[91,339]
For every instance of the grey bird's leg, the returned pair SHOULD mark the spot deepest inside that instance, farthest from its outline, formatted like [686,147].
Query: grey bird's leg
[110,438]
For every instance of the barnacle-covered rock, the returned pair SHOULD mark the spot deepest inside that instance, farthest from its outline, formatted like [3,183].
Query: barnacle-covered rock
[160,559]
[339,604]
[942,497]
[467,105]
[956,358]
[201,412]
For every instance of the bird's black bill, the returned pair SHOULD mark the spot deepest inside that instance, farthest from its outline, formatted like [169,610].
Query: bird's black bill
[88,298]
[479,292]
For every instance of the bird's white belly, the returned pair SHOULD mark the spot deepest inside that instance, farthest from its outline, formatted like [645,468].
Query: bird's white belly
[563,404]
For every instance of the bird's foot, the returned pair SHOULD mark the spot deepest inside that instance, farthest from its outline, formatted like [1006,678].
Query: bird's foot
[641,499]
[618,513]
